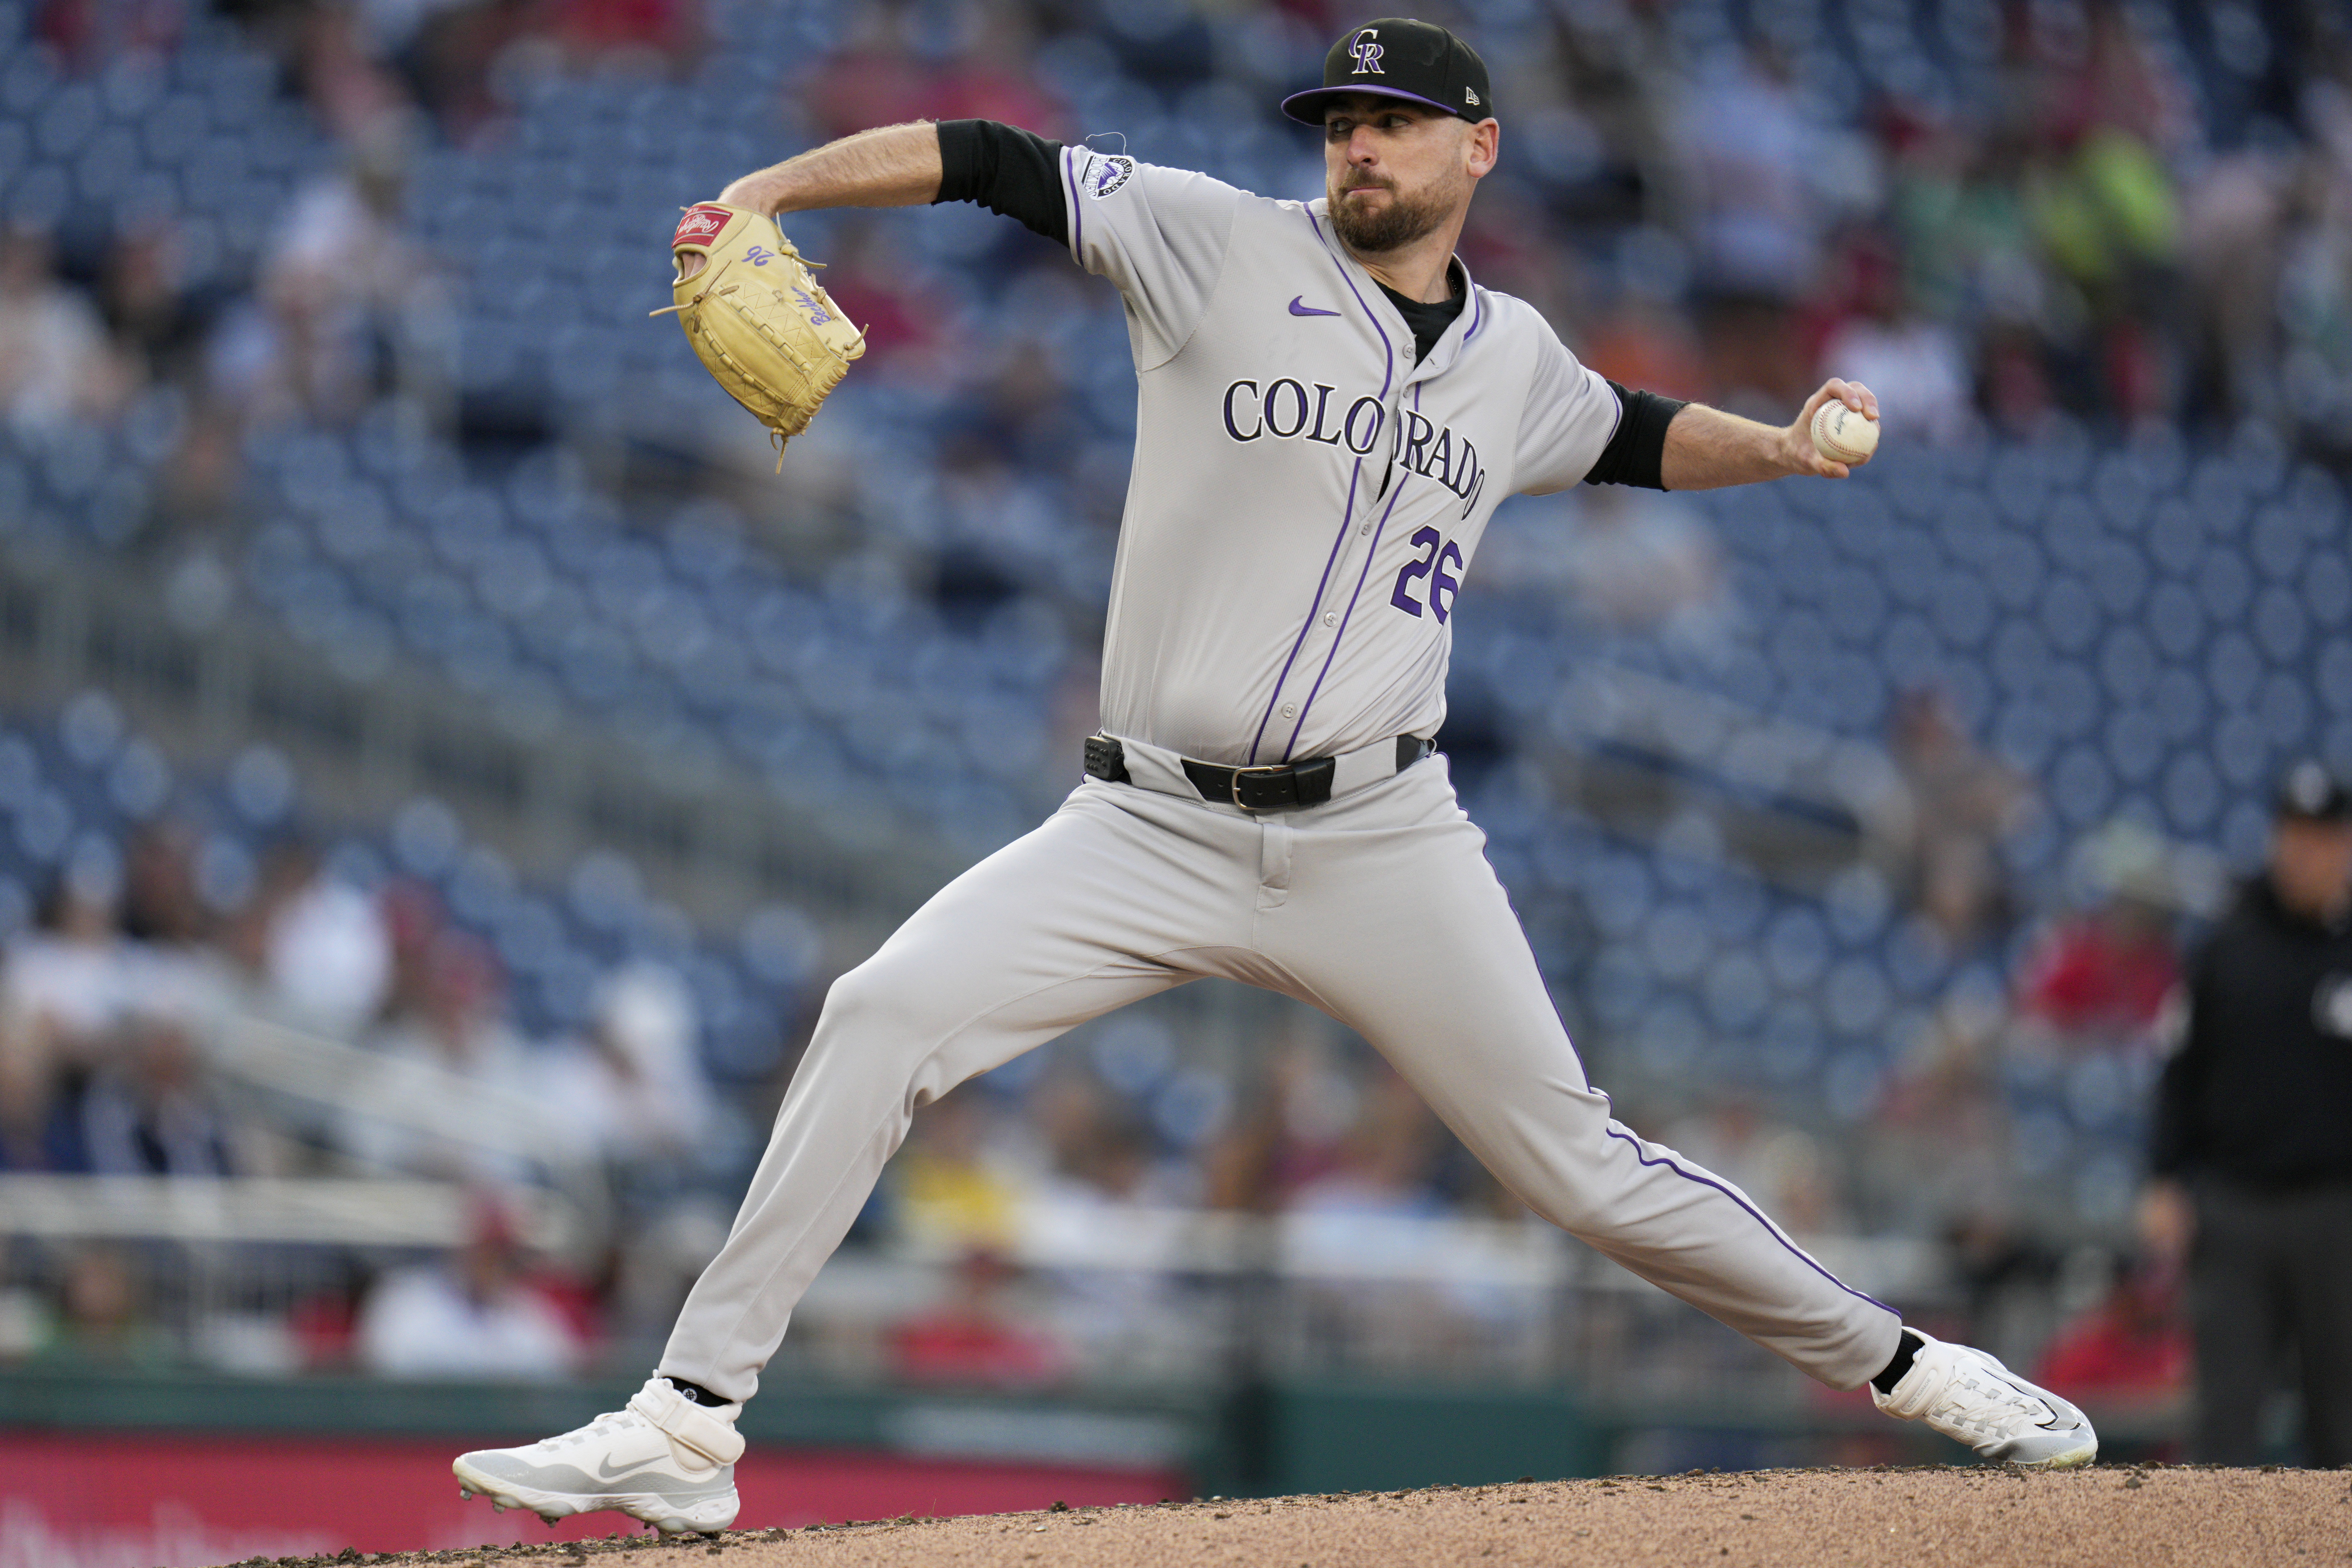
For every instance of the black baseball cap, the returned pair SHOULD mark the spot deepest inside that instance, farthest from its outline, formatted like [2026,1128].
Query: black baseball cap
[1397,56]
[2313,792]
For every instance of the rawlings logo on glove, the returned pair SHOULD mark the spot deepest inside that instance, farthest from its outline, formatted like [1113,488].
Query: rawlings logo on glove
[758,319]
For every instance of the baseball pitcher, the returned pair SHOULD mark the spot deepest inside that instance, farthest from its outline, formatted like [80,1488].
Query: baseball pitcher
[1329,408]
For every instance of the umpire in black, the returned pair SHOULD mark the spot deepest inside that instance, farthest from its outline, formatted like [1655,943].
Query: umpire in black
[2252,1145]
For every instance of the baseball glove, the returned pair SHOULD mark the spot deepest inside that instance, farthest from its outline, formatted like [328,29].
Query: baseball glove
[758,319]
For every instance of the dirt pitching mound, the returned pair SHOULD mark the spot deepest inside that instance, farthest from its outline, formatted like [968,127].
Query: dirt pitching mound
[1977,1518]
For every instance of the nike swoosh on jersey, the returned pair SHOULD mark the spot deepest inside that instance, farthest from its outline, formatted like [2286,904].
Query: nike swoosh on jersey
[1299,310]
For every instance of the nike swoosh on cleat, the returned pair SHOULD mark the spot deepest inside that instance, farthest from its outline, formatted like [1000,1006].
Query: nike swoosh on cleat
[1299,310]
[605,1472]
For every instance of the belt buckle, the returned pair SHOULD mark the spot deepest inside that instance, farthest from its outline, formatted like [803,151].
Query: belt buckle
[1236,784]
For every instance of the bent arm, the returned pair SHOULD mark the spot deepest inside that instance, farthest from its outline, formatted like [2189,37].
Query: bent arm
[1707,449]
[891,166]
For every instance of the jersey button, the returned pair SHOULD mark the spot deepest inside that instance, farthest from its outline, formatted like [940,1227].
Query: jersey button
[1290,709]
[1331,617]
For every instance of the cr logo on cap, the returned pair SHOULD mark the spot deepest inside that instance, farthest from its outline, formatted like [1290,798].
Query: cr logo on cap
[1366,53]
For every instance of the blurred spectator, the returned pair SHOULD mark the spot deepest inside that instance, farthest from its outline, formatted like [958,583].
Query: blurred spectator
[1964,802]
[55,361]
[877,77]
[157,322]
[2235,229]
[2121,85]
[659,1259]
[1292,1135]
[148,1111]
[994,76]
[2251,1163]
[1385,1159]
[474,1316]
[160,907]
[448,51]
[1641,562]
[979,1335]
[178,969]
[2131,1346]
[348,309]
[1939,1149]
[1645,341]
[26,1316]
[92,33]
[329,52]
[64,989]
[655,32]
[328,956]
[68,980]
[2101,976]
[1781,1166]
[879,289]
[1759,157]
[412,926]
[102,1319]
[1768,174]
[635,1091]
[1102,1153]
[457,1027]
[951,1188]
[2107,216]
[1915,366]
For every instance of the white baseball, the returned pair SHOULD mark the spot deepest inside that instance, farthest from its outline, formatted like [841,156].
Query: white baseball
[1842,436]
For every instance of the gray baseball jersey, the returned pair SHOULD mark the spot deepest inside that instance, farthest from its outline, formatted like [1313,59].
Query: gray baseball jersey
[1306,499]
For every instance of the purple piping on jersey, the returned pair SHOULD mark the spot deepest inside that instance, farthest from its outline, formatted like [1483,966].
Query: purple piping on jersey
[1379,530]
[1477,314]
[1347,513]
[1077,208]
[1743,1203]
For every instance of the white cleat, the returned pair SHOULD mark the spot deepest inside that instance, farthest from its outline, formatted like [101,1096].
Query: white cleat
[662,1458]
[1971,1398]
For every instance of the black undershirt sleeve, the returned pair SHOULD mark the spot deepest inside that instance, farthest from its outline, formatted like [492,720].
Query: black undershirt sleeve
[1006,170]
[1637,452]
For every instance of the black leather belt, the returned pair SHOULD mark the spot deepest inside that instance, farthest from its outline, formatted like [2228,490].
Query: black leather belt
[1283,786]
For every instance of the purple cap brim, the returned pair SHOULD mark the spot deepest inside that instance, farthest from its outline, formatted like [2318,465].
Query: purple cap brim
[1307,108]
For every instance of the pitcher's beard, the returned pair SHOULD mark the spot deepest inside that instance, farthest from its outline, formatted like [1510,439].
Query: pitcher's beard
[1391,227]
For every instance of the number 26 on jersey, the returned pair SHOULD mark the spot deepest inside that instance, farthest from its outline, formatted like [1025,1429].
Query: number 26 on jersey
[1436,552]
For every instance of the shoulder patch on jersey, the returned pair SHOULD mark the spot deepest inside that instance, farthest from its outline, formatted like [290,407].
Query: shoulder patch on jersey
[1105,173]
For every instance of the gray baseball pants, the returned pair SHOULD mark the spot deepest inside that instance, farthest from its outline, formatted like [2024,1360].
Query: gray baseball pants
[1380,908]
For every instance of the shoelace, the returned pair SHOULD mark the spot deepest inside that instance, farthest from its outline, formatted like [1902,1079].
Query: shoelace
[603,1425]
[1993,1396]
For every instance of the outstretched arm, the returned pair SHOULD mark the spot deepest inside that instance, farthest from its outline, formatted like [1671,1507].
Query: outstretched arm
[892,166]
[1707,449]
